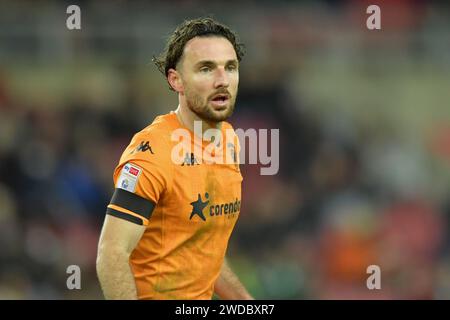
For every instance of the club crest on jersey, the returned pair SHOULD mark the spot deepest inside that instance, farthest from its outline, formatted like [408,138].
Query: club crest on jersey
[232,150]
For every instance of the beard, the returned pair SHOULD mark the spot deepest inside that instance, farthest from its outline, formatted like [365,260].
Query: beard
[205,111]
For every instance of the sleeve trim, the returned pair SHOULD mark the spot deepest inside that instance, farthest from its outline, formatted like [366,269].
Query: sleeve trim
[123,211]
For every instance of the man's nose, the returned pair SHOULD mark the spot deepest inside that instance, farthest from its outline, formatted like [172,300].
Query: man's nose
[222,79]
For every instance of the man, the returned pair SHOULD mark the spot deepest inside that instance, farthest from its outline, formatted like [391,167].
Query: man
[168,223]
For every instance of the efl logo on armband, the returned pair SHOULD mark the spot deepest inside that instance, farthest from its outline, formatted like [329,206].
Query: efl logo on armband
[134,171]
[128,177]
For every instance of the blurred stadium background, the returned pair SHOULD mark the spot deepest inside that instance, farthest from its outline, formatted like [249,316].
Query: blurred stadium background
[364,119]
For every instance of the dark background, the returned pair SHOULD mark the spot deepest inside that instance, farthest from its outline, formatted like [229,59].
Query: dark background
[364,121]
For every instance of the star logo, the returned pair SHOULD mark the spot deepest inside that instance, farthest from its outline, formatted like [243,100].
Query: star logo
[198,206]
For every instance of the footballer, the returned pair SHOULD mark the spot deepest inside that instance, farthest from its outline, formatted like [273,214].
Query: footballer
[168,223]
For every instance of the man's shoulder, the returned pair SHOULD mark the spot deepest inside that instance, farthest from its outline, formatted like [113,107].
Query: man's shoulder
[153,139]
[159,131]
[161,127]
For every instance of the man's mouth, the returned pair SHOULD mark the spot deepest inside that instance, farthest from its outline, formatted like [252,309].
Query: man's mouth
[220,100]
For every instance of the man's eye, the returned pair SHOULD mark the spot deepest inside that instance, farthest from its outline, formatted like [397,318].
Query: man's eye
[232,68]
[205,69]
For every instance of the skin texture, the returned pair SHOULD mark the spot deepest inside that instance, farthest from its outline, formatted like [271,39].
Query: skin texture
[208,67]
[117,240]
[228,286]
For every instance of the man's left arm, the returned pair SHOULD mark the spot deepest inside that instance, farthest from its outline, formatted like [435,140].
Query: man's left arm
[228,286]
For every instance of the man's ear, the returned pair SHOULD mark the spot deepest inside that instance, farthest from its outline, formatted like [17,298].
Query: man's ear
[174,79]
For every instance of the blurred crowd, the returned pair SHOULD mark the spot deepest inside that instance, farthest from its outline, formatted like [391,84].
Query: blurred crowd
[364,128]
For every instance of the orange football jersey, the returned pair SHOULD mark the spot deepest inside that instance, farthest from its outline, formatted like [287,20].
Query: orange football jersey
[189,208]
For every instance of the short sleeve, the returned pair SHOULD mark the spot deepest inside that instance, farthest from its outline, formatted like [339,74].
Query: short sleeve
[141,178]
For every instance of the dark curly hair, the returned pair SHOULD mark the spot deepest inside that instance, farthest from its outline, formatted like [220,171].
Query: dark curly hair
[200,27]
